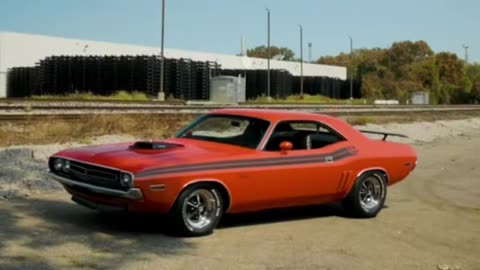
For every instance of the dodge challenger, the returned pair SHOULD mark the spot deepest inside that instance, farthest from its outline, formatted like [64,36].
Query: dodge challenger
[234,161]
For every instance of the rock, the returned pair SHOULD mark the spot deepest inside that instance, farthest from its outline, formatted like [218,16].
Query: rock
[7,194]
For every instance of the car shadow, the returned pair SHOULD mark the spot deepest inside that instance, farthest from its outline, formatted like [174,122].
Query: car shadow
[286,215]
[282,215]
[111,239]
[62,215]
[104,241]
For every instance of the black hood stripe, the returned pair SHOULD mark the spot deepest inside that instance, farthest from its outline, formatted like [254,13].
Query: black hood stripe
[239,164]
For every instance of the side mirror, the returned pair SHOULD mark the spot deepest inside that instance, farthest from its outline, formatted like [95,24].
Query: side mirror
[285,146]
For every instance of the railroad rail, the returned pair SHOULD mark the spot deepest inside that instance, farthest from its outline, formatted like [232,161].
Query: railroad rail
[12,113]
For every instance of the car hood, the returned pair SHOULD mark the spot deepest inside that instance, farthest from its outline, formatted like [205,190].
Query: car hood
[154,155]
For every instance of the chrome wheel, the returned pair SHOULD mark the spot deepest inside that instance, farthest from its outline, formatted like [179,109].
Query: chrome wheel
[200,209]
[371,193]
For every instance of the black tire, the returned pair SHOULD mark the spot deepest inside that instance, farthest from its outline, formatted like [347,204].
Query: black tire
[367,196]
[191,217]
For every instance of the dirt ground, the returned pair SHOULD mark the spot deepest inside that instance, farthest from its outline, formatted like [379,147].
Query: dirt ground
[431,221]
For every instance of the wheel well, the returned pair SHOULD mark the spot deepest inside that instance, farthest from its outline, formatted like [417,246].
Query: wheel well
[223,191]
[381,171]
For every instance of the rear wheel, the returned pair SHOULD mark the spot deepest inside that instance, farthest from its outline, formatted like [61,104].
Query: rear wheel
[367,196]
[197,211]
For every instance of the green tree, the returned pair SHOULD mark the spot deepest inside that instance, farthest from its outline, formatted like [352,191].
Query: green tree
[409,66]
[281,52]
[342,59]
[475,92]
[473,72]
[450,68]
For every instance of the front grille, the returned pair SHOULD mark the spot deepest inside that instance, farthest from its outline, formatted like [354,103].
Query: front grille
[94,175]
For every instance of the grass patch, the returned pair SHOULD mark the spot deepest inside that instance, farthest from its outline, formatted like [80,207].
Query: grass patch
[54,130]
[361,120]
[309,99]
[118,96]
[86,141]
[138,96]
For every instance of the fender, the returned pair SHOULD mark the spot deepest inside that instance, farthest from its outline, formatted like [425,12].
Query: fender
[217,181]
[374,169]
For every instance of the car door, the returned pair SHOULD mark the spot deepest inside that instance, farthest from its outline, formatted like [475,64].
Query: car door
[311,172]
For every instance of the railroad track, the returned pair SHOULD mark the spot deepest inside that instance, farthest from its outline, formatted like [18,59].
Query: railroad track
[87,106]
[38,113]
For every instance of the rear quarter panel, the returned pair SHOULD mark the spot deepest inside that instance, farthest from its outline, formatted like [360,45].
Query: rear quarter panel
[395,159]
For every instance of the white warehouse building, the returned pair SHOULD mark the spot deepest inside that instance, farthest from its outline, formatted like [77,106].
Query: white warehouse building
[25,50]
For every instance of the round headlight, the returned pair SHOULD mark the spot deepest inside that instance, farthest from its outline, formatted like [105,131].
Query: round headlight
[126,179]
[66,165]
[58,164]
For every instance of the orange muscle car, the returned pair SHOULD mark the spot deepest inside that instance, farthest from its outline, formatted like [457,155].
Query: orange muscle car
[237,160]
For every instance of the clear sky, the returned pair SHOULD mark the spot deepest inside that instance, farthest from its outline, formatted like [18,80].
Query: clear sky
[217,25]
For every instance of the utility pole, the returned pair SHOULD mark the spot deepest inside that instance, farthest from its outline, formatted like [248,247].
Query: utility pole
[351,67]
[310,52]
[268,52]
[301,60]
[161,94]
[465,47]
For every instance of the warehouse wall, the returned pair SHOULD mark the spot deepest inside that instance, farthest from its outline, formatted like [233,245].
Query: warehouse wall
[3,73]
[3,84]
[21,50]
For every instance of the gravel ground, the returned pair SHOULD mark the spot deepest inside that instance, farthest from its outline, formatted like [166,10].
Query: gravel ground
[430,221]
[24,167]
[421,132]
[21,174]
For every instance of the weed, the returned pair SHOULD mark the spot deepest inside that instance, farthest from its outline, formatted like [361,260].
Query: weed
[361,120]
[54,130]
[118,96]
[309,99]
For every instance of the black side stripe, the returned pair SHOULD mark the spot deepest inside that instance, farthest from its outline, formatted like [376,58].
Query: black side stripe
[249,162]
[239,164]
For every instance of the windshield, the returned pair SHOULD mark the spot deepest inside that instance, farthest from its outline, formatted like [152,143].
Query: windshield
[235,130]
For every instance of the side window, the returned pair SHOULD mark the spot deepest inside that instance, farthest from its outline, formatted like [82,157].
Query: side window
[221,127]
[310,126]
[303,135]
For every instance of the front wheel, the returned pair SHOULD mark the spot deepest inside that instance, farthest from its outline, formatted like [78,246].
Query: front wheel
[197,211]
[367,196]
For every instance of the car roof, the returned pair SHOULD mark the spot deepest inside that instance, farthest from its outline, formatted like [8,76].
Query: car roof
[274,115]
[287,115]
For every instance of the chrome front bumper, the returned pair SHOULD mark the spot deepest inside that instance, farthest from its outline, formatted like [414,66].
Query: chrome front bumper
[131,194]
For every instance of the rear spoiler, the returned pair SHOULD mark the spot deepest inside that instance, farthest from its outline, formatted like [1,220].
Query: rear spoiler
[385,134]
